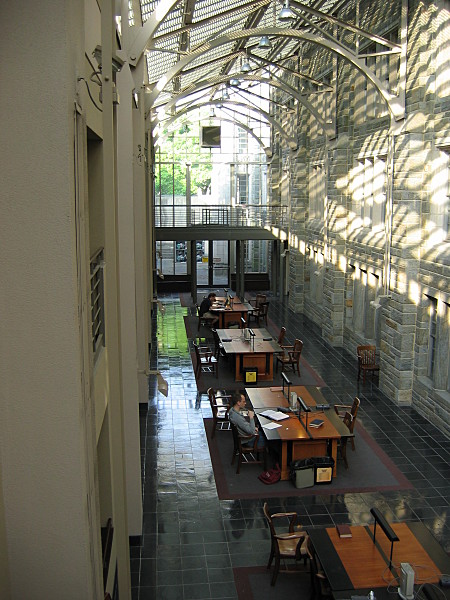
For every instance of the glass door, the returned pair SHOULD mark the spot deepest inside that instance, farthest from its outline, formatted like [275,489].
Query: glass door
[213,263]
[221,263]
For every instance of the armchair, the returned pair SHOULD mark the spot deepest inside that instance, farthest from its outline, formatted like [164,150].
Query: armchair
[281,335]
[319,583]
[366,361]
[247,453]
[289,545]
[290,357]
[262,313]
[341,409]
[206,362]
[256,304]
[206,321]
[343,441]
[220,405]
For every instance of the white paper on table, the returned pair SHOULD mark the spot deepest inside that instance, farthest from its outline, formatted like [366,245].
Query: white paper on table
[271,425]
[275,415]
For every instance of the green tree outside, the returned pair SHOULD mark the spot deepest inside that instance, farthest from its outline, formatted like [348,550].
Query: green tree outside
[181,147]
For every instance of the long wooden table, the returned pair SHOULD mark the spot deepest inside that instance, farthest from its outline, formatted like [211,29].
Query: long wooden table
[298,440]
[257,352]
[356,565]
[231,314]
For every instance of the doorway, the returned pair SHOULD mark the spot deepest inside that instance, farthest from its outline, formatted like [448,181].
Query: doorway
[213,263]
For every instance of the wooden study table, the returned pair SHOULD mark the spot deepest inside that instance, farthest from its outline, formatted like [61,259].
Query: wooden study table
[296,437]
[356,565]
[231,314]
[257,352]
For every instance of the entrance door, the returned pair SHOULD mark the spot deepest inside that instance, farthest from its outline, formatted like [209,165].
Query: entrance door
[221,263]
[213,263]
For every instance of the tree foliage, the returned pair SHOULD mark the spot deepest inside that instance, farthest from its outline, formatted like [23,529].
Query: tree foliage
[180,148]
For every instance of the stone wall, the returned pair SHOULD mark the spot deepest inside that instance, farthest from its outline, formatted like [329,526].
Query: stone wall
[359,280]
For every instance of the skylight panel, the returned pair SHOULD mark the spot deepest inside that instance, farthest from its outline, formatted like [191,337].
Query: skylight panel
[219,26]
[210,8]
[222,51]
[158,63]
[147,7]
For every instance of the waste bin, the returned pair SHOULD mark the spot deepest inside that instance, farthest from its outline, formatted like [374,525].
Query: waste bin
[250,375]
[323,469]
[302,473]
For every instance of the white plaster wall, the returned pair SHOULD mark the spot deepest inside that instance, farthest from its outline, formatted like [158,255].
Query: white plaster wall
[42,436]
[127,276]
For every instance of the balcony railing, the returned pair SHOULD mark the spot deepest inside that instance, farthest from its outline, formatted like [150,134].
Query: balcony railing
[208,215]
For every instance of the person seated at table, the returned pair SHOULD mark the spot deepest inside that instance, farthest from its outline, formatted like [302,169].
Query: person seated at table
[205,309]
[244,426]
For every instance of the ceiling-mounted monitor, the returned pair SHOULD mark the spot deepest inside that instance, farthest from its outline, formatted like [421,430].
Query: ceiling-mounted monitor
[210,136]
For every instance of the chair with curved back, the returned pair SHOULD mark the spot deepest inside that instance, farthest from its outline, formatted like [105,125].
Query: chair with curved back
[367,361]
[250,454]
[262,314]
[206,362]
[343,441]
[281,336]
[288,545]
[219,350]
[341,409]
[220,405]
[290,357]
[205,321]
[256,304]
[320,586]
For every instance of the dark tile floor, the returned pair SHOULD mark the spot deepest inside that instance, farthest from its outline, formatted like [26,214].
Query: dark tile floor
[192,540]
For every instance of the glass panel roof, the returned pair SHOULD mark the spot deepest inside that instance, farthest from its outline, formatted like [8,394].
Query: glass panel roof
[193,25]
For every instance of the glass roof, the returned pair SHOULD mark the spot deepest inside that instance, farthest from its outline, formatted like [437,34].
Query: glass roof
[191,29]
[193,23]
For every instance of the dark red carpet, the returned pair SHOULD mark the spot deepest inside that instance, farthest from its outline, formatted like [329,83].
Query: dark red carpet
[370,469]
[253,583]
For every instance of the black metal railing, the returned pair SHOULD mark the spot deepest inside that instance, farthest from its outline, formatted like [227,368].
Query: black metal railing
[184,215]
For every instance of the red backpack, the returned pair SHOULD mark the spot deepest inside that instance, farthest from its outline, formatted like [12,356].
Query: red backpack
[271,476]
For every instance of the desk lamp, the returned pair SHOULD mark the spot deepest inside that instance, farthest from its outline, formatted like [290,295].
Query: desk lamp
[245,332]
[288,383]
[306,410]
[252,333]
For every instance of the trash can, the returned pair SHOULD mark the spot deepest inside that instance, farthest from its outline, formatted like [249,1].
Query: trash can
[250,375]
[302,473]
[323,469]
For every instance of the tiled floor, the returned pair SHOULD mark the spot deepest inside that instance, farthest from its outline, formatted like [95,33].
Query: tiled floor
[192,540]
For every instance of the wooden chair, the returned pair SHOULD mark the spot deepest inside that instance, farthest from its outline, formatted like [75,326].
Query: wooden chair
[366,361]
[206,321]
[262,313]
[341,409]
[206,362]
[290,357]
[320,587]
[256,303]
[219,350]
[281,335]
[247,454]
[289,545]
[220,405]
[343,441]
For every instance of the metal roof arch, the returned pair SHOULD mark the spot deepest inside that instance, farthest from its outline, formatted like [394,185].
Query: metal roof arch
[394,104]
[292,142]
[328,127]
